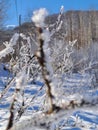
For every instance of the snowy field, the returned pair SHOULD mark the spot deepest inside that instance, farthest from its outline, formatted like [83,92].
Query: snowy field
[74,86]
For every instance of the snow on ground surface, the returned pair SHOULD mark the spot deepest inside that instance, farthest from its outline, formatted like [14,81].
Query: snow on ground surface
[74,86]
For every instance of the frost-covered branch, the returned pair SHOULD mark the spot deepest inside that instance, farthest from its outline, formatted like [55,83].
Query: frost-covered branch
[40,54]
[57,26]
[9,46]
[17,96]
[7,88]
[18,104]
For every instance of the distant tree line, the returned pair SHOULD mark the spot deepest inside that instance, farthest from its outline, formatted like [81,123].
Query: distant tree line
[80,25]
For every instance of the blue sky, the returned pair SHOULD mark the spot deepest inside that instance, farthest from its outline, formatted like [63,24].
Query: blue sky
[52,6]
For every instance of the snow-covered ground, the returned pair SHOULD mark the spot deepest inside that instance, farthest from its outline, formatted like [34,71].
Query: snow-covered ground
[75,86]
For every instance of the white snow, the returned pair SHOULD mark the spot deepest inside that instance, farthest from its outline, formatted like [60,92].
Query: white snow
[39,17]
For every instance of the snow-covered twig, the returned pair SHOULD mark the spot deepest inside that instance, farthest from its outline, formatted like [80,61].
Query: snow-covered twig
[41,55]
[19,87]
[7,87]
[9,46]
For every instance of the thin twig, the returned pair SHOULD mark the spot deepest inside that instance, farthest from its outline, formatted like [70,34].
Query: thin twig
[7,87]
[45,73]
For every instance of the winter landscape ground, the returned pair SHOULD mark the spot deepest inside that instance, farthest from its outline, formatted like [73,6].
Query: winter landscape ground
[76,86]
[54,89]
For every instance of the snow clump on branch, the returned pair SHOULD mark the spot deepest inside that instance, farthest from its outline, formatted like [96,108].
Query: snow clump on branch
[39,17]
